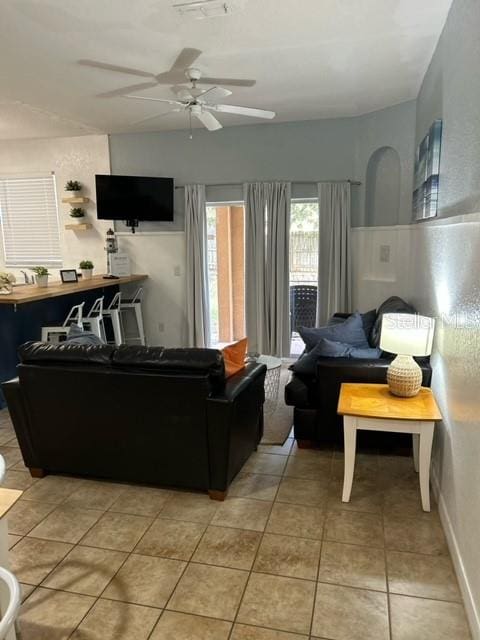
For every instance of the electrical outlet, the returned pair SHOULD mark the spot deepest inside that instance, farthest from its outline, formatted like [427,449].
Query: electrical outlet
[161,327]
[176,270]
[385,253]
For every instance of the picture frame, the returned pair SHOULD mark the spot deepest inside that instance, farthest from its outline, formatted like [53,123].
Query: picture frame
[68,276]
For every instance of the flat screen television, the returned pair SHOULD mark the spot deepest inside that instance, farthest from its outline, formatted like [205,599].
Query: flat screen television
[133,198]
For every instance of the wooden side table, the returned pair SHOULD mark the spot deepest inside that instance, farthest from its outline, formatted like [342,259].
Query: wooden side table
[372,407]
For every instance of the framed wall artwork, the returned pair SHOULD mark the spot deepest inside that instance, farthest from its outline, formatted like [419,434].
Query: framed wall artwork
[426,177]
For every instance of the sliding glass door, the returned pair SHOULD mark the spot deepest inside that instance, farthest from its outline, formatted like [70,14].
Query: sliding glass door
[303,268]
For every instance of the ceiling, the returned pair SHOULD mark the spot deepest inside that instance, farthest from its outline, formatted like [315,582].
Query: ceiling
[311,59]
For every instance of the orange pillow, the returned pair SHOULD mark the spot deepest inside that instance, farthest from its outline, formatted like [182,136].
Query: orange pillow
[234,357]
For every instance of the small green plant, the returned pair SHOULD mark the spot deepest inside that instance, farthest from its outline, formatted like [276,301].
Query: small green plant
[40,271]
[86,264]
[77,212]
[73,185]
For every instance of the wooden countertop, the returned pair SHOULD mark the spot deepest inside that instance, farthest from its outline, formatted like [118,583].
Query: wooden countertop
[376,401]
[32,293]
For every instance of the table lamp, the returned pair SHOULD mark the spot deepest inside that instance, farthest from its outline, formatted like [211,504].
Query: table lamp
[406,335]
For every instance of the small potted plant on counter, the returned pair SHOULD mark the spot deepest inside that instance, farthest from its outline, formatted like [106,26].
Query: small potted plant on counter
[73,188]
[77,214]
[86,267]
[41,276]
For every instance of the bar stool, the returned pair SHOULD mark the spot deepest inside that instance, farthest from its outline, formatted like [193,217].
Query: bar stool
[113,312]
[94,320]
[60,333]
[135,304]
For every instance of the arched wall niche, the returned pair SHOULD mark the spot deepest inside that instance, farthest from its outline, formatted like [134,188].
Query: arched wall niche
[382,188]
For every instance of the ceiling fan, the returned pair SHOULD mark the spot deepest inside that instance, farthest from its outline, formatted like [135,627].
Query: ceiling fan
[176,74]
[200,104]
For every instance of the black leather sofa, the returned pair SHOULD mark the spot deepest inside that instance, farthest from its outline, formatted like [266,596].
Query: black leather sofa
[315,397]
[139,414]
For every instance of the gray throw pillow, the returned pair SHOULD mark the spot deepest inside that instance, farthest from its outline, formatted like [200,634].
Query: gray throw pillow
[350,331]
[76,335]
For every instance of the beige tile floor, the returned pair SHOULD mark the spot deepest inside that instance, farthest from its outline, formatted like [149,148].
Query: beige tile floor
[281,559]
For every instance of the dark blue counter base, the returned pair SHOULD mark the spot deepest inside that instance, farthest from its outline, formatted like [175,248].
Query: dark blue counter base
[26,321]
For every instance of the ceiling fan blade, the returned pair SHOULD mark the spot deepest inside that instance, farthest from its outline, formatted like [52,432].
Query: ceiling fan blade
[157,115]
[123,90]
[242,111]
[177,102]
[115,67]
[208,120]
[233,82]
[185,59]
[215,93]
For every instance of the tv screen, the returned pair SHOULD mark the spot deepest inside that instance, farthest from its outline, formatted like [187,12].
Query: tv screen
[134,198]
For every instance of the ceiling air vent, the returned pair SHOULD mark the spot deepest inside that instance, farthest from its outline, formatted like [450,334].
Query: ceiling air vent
[201,9]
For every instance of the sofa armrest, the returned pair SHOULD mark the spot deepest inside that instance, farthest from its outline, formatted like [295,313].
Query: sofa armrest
[240,381]
[361,370]
[235,423]
[16,407]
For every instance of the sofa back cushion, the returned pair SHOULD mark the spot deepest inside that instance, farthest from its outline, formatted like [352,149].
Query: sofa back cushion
[394,304]
[350,331]
[307,364]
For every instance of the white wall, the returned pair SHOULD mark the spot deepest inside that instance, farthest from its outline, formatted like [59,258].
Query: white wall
[435,265]
[78,158]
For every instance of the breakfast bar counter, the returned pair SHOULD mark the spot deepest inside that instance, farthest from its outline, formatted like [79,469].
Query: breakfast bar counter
[24,293]
[28,308]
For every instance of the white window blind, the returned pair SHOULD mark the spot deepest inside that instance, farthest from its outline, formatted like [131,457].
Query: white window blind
[29,221]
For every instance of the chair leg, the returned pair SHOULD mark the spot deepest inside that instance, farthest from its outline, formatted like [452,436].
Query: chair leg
[217,495]
[36,472]
[139,318]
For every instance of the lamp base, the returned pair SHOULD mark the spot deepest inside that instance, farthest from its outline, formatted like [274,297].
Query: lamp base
[404,377]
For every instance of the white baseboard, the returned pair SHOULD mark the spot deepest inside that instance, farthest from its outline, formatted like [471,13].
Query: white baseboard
[471,607]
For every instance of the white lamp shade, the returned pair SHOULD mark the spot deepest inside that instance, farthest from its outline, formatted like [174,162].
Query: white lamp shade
[407,334]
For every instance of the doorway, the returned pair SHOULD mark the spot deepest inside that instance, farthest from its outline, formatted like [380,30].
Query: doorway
[226,272]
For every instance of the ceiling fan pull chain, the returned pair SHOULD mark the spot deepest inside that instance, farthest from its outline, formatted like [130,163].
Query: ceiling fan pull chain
[190,122]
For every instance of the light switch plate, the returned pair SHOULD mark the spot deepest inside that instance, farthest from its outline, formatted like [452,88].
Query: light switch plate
[385,253]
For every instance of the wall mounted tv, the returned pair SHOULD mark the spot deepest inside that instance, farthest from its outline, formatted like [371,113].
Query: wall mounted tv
[134,199]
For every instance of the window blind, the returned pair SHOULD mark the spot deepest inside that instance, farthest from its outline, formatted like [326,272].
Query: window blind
[29,221]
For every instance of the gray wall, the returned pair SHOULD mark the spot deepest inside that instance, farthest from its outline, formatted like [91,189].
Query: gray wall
[451,91]
[297,151]
[446,267]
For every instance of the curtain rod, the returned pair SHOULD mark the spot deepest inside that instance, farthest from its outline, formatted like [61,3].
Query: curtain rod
[354,183]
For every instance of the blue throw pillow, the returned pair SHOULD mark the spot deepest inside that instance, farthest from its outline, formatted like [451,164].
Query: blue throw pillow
[350,331]
[368,321]
[76,335]
[307,364]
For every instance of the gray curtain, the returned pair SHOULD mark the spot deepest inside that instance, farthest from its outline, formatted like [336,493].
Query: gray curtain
[267,227]
[334,255]
[197,275]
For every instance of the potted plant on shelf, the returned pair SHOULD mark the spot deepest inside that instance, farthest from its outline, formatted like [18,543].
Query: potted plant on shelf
[73,188]
[86,267]
[41,276]
[7,280]
[77,215]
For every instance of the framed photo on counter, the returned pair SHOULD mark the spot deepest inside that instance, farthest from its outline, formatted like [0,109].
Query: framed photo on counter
[68,275]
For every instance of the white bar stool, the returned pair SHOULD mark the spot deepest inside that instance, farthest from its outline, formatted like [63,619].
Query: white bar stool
[60,333]
[113,312]
[94,320]
[135,304]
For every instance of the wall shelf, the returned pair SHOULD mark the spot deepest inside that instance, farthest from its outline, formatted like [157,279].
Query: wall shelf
[84,226]
[76,200]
